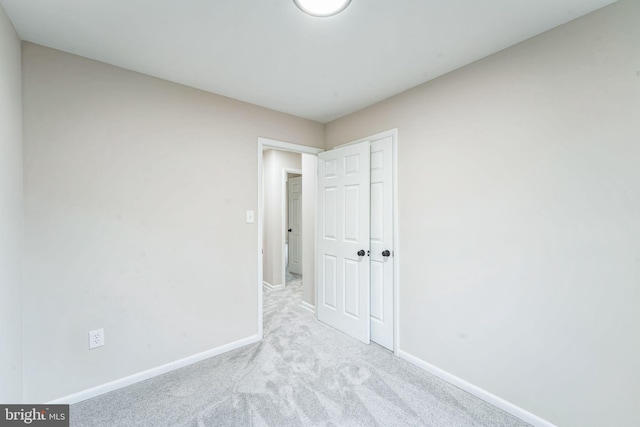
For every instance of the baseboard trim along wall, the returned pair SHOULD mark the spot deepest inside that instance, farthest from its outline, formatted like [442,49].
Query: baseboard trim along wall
[271,287]
[153,372]
[308,307]
[496,401]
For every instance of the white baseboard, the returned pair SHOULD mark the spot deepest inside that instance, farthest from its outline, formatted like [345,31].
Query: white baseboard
[496,401]
[308,307]
[271,287]
[153,372]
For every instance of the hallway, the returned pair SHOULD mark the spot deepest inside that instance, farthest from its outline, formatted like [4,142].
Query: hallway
[302,373]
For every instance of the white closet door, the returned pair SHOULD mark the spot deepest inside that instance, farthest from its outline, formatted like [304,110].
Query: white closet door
[382,242]
[295,225]
[343,239]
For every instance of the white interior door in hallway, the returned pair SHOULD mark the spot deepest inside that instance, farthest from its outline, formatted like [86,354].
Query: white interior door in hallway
[379,249]
[382,250]
[295,224]
[343,239]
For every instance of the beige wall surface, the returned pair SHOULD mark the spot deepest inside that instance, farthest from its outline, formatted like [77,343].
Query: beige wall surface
[11,215]
[274,162]
[135,197]
[519,208]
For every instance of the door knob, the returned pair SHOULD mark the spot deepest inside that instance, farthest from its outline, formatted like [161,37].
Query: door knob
[361,252]
[386,253]
[289,230]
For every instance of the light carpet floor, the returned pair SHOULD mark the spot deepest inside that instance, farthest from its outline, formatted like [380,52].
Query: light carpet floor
[303,373]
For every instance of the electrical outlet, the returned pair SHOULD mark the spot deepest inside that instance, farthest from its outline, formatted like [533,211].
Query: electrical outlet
[96,338]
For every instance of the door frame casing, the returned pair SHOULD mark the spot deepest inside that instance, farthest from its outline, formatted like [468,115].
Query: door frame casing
[285,205]
[393,133]
[266,143]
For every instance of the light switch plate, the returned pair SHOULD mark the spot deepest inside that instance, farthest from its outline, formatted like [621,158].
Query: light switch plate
[250,217]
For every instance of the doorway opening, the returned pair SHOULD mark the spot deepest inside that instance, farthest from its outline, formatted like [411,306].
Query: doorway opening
[282,232]
[279,165]
[382,262]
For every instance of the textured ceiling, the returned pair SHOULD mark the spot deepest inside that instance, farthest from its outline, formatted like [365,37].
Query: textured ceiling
[267,52]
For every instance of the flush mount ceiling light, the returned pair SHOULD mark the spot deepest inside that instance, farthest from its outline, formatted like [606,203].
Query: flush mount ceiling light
[322,7]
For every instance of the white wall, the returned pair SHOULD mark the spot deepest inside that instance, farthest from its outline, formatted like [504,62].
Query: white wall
[11,215]
[308,227]
[274,162]
[135,197]
[519,208]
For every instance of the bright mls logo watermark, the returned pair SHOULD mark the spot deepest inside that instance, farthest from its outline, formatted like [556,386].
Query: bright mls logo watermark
[34,415]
